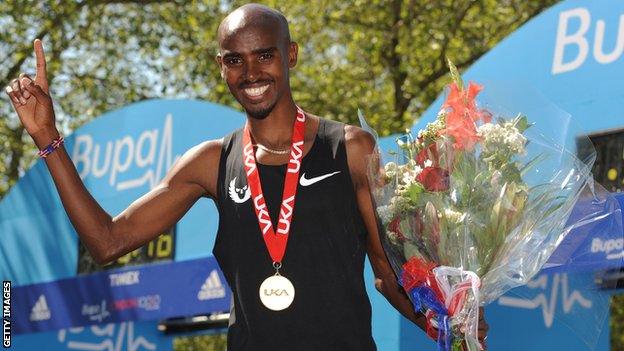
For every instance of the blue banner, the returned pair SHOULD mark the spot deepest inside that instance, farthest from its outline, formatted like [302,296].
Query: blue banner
[591,246]
[144,293]
[559,311]
[124,336]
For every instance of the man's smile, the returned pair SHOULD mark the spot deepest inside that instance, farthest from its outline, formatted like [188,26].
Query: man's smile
[255,91]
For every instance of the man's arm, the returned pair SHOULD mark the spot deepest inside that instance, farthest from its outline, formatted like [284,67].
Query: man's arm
[360,145]
[107,238]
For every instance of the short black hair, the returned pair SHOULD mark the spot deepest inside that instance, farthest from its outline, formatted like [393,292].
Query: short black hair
[254,15]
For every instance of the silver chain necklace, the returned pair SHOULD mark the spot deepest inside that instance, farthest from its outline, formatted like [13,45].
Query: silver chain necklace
[272,151]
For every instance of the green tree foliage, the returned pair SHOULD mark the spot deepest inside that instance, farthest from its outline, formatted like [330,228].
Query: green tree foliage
[386,57]
[102,54]
[213,342]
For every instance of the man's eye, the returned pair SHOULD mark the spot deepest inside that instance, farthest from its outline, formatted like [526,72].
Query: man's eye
[233,61]
[265,56]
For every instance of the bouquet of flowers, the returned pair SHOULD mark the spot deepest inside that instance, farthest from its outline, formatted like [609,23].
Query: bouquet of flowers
[473,206]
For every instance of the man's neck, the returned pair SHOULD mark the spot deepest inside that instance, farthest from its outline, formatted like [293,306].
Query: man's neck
[275,130]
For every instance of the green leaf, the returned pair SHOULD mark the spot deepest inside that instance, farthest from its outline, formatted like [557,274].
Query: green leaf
[521,122]
[414,191]
[455,74]
[529,165]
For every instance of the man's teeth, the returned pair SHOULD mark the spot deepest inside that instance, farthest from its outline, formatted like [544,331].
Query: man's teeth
[256,91]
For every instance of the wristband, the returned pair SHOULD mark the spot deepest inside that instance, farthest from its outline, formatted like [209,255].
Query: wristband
[55,144]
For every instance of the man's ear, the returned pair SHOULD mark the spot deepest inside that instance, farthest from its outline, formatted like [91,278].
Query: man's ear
[293,52]
[219,60]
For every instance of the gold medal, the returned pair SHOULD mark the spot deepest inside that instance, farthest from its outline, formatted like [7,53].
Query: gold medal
[277,292]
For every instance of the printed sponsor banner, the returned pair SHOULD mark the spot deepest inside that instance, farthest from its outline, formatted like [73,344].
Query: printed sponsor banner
[124,336]
[558,311]
[592,247]
[149,292]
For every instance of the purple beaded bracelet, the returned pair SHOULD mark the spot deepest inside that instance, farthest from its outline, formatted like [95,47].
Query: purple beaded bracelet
[55,144]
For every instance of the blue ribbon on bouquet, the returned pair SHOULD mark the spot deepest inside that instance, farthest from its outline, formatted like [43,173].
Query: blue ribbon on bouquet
[424,299]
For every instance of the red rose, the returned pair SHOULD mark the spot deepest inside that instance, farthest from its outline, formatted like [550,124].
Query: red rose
[428,153]
[434,179]
[395,227]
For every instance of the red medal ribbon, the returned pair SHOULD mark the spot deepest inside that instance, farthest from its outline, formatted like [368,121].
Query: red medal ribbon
[275,241]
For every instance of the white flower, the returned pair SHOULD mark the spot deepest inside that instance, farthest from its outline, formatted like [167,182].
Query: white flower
[428,163]
[453,216]
[417,170]
[390,169]
[390,166]
[407,178]
[394,238]
[400,204]
[501,138]
[385,213]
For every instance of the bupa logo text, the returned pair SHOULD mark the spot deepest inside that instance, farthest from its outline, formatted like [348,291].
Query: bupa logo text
[151,151]
[579,40]
[613,248]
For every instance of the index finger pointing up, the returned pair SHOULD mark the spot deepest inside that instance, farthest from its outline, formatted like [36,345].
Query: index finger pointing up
[40,77]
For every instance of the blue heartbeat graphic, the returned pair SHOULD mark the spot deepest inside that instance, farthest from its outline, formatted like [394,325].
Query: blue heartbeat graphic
[549,304]
[114,342]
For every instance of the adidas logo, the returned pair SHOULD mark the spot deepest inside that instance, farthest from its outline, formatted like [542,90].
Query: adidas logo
[212,287]
[40,311]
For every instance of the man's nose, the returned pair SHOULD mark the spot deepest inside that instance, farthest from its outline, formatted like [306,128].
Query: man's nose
[251,72]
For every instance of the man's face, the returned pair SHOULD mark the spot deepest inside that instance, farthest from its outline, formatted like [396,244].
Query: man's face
[255,62]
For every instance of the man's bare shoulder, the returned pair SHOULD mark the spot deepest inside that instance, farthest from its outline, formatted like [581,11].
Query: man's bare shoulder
[358,140]
[200,165]
[207,150]
[360,145]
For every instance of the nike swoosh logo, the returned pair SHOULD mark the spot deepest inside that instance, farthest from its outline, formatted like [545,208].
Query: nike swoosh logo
[306,182]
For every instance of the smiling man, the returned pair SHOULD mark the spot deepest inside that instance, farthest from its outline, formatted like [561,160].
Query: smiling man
[296,216]
[322,226]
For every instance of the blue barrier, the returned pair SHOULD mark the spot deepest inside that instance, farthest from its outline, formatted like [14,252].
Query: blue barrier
[143,293]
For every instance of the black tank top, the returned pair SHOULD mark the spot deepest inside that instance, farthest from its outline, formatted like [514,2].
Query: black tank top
[324,257]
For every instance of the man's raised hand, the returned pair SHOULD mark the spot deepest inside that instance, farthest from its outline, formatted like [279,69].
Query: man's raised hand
[31,98]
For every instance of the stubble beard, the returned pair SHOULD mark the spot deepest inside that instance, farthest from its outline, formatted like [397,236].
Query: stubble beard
[261,113]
